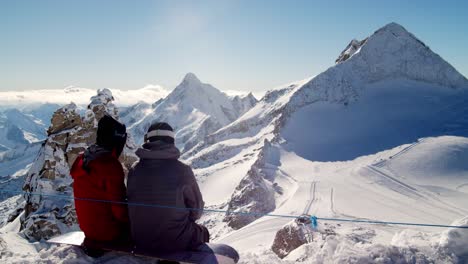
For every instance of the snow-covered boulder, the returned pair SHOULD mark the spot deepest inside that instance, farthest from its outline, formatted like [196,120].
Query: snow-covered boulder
[291,236]
[455,240]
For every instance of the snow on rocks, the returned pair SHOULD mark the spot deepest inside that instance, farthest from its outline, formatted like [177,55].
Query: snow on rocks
[455,240]
[64,118]
[10,209]
[349,51]
[291,236]
[44,216]
[253,196]
[68,135]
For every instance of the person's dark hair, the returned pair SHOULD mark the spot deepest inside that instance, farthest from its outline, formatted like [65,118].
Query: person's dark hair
[160,131]
[111,134]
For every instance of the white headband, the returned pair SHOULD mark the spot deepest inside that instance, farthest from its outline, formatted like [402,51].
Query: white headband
[161,133]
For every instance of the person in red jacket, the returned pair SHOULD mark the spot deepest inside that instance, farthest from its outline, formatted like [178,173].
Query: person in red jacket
[98,175]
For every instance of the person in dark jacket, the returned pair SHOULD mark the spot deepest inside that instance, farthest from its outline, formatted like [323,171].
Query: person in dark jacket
[98,174]
[159,178]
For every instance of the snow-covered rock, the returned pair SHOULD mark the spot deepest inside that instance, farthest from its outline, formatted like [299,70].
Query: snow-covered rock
[47,216]
[253,196]
[291,236]
[455,240]
[349,51]
[69,134]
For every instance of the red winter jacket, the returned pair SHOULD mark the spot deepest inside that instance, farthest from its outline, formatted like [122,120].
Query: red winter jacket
[103,179]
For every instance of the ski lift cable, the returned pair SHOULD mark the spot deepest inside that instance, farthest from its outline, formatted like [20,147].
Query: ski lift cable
[313,219]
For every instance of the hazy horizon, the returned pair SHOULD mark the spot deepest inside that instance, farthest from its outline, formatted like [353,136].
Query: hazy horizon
[233,45]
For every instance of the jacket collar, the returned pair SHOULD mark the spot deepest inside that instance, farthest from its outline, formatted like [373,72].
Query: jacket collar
[158,150]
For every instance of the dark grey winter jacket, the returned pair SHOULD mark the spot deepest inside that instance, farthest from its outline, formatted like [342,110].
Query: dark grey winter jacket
[160,178]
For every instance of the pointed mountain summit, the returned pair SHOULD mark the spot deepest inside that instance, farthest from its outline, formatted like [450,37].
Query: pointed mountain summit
[392,81]
[191,78]
[194,109]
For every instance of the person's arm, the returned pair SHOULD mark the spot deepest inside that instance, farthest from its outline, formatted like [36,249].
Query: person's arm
[116,191]
[193,197]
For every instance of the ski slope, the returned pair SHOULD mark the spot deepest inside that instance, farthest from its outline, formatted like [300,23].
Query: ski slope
[366,188]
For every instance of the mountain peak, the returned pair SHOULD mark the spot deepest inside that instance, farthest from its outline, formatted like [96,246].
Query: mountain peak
[191,78]
[394,28]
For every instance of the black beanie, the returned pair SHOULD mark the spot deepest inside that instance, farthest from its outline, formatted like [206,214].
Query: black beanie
[111,134]
[160,131]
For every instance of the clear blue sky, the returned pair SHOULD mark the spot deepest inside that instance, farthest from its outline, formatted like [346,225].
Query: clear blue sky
[243,45]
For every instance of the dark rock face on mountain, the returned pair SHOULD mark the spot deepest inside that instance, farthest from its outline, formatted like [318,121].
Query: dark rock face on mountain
[253,196]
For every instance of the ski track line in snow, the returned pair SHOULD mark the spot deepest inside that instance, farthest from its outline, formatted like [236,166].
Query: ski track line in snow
[461,186]
[332,202]
[312,197]
[381,173]
[381,163]
[416,192]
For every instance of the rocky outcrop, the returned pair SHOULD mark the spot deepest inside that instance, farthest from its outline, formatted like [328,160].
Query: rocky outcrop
[253,197]
[45,216]
[291,236]
[68,135]
[64,118]
[349,51]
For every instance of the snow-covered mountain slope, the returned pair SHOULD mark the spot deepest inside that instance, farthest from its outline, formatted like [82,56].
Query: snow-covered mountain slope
[43,112]
[80,96]
[18,128]
[15,164]
[195,110]
[436,164]
[386,114]
[131,114]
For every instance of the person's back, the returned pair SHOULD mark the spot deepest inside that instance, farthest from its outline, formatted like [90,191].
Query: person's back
[161,184]
[98,175]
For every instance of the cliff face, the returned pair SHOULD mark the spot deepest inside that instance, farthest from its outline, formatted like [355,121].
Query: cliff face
[254,195]
[69,134]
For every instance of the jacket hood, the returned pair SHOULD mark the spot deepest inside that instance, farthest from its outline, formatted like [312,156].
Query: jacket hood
[92,153]
[158,150]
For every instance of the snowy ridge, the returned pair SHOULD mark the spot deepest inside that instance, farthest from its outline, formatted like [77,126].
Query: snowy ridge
[390,53]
